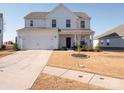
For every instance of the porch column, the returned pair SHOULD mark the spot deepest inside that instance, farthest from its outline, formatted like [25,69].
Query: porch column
[78,39]
[75,39]
[92,40]
[78,42]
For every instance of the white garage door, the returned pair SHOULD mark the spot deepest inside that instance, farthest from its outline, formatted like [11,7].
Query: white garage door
[40,42]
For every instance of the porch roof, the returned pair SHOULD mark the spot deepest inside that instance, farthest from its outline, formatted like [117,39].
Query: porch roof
[37,29]
[76,31]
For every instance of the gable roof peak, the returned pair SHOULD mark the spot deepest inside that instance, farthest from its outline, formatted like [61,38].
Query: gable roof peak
[61,4]
[119,30]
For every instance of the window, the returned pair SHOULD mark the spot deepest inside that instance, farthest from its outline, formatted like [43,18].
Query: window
[0,31]
[68,23]
[82,43]
[82,24]
[53,23]
[107,42]
[102,42]
[31,23]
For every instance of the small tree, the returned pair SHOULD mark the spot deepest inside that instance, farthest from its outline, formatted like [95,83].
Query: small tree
[79,49]
[97,48]
[3,47]
[78,43]
[15,47]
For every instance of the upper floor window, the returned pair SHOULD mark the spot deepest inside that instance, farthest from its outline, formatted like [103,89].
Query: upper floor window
[31,23]
[107,42]
[102,42]
[68,23]
[54,23]
[82,24]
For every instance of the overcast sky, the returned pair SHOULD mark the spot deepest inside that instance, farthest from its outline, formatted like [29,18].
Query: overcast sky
[104,16]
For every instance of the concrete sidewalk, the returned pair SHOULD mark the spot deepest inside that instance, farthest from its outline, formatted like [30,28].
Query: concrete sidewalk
[88,78]
[20,70]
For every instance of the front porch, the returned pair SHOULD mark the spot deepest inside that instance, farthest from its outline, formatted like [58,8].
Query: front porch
[71,38]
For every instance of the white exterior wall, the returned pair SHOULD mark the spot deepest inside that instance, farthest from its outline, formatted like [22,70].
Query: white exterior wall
[61,22]
[36,22]
[95,43]
[87,40]
[87,23]
[113,42]
[61,15]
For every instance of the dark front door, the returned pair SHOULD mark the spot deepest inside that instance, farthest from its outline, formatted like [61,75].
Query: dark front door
[68,42]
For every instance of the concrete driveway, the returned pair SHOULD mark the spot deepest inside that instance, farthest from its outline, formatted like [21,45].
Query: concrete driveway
[20,70]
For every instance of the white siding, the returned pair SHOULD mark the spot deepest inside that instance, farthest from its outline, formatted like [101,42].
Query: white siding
[95,43]
[87,23]
[61,22]
[36,22]
[61,14]
[87,40]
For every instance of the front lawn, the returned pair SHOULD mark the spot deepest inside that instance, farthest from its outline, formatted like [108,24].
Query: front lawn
[49,82]
[4,53]
[104,63]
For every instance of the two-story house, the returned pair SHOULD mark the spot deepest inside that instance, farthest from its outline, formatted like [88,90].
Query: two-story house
[55,29]
[1,30]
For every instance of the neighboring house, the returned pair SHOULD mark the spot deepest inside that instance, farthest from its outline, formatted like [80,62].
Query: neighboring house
[55,29]
[113,39]
[1,30]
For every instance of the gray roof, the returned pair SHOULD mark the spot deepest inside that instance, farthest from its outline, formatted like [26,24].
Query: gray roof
[1,15]
[43,15]
[118,30]
[36,15]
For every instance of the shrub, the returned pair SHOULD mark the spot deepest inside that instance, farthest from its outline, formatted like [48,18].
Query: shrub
[97,48]
[86,48]
[64,48]
[3,47]
[74,47]
[15,47]
[83,48]
[89,48]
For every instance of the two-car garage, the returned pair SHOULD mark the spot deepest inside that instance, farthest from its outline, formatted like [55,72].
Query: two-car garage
[36,39]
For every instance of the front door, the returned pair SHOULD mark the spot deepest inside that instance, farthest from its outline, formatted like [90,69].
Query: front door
[68,42]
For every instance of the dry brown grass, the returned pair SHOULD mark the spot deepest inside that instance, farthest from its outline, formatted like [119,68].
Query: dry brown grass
[6,52]
[105,63]
[48,82]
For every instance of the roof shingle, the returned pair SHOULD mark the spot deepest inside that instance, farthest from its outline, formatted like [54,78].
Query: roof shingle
[118,30]
[43,15]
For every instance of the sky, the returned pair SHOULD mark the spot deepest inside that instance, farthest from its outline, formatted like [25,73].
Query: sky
[104,16]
